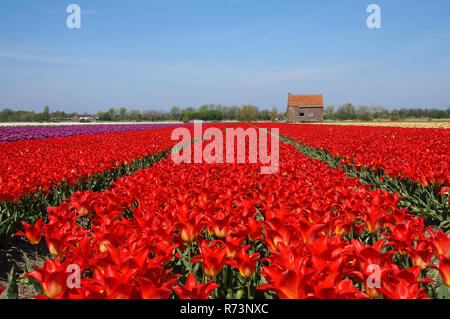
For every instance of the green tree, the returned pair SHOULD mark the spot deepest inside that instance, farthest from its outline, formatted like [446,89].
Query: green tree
[328,112]
[123,114]
[104,116]
[135,115]
[248,113]
[204,107]
[175,112]
[346,112]
[380,112]
[46,113]
[273,114]
[364,113]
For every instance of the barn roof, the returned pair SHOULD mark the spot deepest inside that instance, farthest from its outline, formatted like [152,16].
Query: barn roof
[305,100]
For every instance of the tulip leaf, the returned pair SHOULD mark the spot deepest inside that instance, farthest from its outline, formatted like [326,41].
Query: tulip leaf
[443,292]
[13,290]
[33,282]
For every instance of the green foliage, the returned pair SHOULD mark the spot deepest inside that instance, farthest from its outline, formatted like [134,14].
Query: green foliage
[346,112]
[218,112]
[328,113]
[248,113]
[8,115]
[12,291]
[205,115]
[369,113]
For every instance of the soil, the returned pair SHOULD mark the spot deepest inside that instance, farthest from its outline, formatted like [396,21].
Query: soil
[13,256]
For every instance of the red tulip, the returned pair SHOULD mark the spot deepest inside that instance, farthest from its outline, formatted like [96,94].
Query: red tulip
[32,233]
[441,244]
[212,257]
[286,284]
[193,290]
[421,255]
[189,226]
[52,277]
[55,246]
[149,290]
[444,269]
[404,291]
[374,219]
[233,245]
[245,263]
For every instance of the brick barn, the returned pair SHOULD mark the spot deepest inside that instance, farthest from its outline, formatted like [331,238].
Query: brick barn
[304,108]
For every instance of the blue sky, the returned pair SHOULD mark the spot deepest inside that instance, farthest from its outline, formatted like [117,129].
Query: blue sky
[154,54]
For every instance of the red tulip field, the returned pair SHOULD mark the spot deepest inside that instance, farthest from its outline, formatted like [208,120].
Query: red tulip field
[350,213]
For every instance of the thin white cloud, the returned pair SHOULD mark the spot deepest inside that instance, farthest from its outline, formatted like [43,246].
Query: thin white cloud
[306,74]
[237,32]
[49,10]
[429,43]
[47,59]
[288,27]
[88,12]
[333,59]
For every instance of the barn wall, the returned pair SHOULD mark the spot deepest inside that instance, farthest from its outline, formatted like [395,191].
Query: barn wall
[293,114]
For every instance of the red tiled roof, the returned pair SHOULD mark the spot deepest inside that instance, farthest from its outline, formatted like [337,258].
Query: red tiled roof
[305,100]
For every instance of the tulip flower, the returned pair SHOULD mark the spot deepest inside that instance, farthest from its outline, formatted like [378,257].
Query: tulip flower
[194,290]
[441,244]
[52,277]
[233,245]
[245,263]
[421,255]
[374,219]
[404,291]
[149,290]
[32,233]
[444,269]
[212,257]
[55,246]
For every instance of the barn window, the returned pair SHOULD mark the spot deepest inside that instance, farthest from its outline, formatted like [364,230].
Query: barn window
[302,114]
[310,114]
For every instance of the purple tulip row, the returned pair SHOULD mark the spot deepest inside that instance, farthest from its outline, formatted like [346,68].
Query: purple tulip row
[19,133]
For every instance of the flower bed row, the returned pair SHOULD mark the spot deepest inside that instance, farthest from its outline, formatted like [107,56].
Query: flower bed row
[430,201]
[38,174]
[421,155]
[28,166]
[226,231]
[20,133]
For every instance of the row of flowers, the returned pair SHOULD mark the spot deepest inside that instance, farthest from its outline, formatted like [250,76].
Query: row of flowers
[422,155]
[29,166]
[20,133]
[225,230]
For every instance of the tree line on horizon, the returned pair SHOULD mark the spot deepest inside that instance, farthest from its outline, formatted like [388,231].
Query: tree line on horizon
[218,112]
[206,112]
[370,113]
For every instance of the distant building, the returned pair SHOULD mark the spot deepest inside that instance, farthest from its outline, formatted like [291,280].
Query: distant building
[304,108]
[85,117]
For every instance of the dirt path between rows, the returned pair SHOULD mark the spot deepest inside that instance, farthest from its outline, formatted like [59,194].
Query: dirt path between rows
[13,256]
